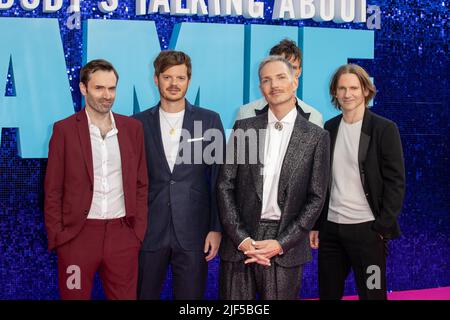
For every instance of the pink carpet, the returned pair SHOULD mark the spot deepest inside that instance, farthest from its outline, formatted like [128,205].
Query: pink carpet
[424,294]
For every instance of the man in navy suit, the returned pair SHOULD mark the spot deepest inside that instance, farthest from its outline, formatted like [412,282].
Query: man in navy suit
[184,146]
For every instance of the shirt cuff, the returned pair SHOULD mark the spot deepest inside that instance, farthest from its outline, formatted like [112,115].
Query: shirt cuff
[281,252]
[239,246]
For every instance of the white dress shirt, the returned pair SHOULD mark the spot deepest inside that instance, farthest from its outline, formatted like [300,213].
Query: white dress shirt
[348,204]
[108,199]
[275,147]
[171,143]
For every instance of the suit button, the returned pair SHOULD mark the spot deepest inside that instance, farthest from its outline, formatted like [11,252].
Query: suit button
[86,212]
[172,182]
[367,194]
[168,204]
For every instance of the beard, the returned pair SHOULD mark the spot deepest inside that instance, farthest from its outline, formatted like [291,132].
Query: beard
[99,105]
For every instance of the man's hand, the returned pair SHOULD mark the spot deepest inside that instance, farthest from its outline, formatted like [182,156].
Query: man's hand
[247,246]
[314,239]
[212,243]
[265,248]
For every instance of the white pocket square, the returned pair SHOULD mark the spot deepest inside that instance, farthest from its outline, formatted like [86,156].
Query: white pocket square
[194,139]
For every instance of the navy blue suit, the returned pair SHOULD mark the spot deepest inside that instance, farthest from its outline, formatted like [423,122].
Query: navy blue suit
[182,206]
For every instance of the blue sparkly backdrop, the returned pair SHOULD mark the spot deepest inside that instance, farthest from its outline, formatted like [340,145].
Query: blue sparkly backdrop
[411,69]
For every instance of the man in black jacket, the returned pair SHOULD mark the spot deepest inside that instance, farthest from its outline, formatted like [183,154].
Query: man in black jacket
[365,194]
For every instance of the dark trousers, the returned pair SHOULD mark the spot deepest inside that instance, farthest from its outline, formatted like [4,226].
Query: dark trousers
[351,246]
[107,246]
[238,281]
[189,271]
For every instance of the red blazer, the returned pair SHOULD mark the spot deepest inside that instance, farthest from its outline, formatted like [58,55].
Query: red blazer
[69,177]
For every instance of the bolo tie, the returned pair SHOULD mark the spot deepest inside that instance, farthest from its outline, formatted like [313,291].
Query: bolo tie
[278,125]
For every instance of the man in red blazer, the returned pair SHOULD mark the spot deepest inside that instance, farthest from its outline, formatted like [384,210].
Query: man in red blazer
[96,192]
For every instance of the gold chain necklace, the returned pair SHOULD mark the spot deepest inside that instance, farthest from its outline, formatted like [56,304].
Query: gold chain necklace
[172,129]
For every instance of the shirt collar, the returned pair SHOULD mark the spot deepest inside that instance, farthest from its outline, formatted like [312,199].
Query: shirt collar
[288,119]
[113,122]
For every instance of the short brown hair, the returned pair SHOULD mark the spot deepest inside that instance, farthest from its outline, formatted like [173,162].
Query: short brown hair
[169,58]
[364,81]
[288,49]
[93,66]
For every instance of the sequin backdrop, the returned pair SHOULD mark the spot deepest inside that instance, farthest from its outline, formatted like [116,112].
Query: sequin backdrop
[411,69]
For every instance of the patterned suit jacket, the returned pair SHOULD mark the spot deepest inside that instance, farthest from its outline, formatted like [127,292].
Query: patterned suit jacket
[301,192]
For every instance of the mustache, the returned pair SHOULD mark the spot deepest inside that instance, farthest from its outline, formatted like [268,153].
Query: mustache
[173,88]
[106,100]
[276,91]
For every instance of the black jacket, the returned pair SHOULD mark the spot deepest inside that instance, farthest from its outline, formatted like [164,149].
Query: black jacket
[381,168]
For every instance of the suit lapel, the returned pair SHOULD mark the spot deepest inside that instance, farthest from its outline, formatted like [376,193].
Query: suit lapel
[155,125]
[260,125]
[333,130]
[124,146]
[300,110]
[294,154]
[364,139]
[85,142]
[188,126]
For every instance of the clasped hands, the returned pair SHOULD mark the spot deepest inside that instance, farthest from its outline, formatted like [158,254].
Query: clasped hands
[260,252]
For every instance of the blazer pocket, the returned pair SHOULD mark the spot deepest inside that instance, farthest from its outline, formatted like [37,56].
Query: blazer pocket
[199,197]
[195,139]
